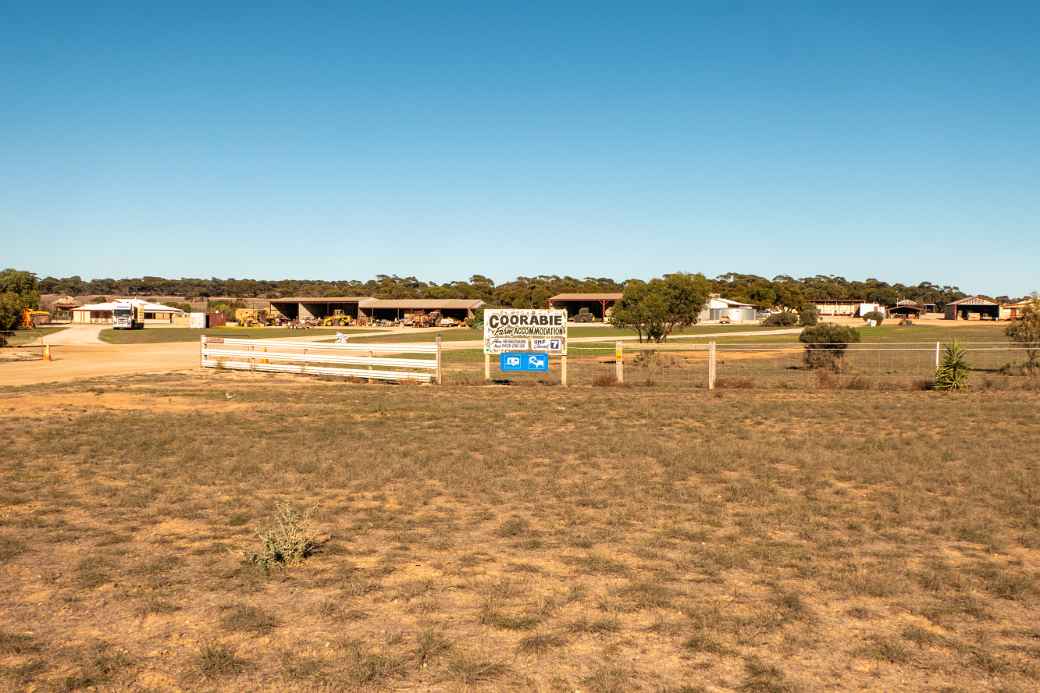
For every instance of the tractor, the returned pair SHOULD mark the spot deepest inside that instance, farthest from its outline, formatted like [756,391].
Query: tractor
[338,319]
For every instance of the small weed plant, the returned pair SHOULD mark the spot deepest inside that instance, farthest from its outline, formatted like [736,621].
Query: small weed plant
[287,540]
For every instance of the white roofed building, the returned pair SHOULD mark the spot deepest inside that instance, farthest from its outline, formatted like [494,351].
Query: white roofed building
[101,313]
[719,309]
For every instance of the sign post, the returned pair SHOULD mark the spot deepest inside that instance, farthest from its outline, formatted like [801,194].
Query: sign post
[524,339]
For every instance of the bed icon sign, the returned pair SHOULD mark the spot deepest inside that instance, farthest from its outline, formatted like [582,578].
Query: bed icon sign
[523,361]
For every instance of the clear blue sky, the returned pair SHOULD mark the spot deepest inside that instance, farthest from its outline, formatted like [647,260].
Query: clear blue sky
[338,140]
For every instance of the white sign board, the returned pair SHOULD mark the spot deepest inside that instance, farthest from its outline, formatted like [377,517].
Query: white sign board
[525,329]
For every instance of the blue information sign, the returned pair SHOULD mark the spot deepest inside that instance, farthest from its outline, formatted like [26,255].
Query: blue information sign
[523,361]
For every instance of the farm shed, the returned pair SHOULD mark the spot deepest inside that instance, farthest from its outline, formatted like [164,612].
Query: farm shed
[317,307]
[101,313]
[907,309]
[848,308]
[968,308]
[597,304]
[400,308]
[718,309]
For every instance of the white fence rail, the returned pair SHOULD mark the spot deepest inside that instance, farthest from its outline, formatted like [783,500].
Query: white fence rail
[314,358]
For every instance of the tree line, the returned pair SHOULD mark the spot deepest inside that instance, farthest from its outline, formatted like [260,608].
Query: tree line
[523,292]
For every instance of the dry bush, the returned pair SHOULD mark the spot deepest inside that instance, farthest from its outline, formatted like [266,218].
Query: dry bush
[287,540]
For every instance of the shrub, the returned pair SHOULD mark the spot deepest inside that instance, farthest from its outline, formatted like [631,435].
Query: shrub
[952,373]
[786,318]
[877,316]
[287,541]
[825,345]
[1026,332]
[808,317]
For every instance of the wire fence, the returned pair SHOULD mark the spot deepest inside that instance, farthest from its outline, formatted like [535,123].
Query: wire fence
[905,365]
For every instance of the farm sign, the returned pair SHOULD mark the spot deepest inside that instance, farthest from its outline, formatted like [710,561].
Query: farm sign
[518,330]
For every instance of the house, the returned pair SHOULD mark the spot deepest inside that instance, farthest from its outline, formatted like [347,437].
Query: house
[101,313]
[1014,311]
[719,309]
[846,308]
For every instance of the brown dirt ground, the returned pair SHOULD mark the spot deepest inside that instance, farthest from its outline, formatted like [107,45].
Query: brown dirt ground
[525,538]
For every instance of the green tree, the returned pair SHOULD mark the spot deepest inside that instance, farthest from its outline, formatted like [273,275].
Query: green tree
[790,295]
[657,308]
[10,310]
[1026,332]
[825,345]
[18,290]
[808,316]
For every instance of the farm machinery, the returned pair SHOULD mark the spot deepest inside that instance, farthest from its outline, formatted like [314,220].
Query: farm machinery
[338,319]
[33,318]
[257,317]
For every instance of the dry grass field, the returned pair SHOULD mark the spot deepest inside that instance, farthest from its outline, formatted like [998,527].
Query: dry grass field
[523,538]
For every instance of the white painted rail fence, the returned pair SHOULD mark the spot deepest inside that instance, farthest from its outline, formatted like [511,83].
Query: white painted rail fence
[315,358]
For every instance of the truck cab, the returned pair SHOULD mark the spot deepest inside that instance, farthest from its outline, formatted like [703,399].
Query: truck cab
[127,316]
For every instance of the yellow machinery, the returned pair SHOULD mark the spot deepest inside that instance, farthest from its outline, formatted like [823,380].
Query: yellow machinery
[251,317]
[33,318]
[338,319]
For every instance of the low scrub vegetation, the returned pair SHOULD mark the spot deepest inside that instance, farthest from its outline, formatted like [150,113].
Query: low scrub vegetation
[286,541]
[785,318]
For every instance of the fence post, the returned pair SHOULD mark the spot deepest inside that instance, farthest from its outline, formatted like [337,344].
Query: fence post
[440,378]
[937,347]
[371,355]
[487,367]
[711,366]
[619,362]
[202,351]
[563,370]
[46,352]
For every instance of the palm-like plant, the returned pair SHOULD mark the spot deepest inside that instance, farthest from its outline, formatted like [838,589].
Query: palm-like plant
[952,373]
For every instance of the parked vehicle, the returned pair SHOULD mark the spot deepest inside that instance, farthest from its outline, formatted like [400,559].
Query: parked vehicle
[127,316]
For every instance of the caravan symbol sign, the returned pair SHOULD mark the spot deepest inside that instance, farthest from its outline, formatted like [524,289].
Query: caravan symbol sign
[534,329]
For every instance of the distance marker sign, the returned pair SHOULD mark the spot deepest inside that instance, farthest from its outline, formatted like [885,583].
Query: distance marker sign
[517,330]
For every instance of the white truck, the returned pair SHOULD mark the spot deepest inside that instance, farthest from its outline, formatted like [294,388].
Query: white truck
[127,316]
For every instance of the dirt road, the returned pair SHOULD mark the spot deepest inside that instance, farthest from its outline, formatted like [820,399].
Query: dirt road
[75,361]
[76,334]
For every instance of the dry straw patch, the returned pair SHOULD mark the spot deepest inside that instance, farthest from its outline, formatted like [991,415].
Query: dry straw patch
[525,538]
